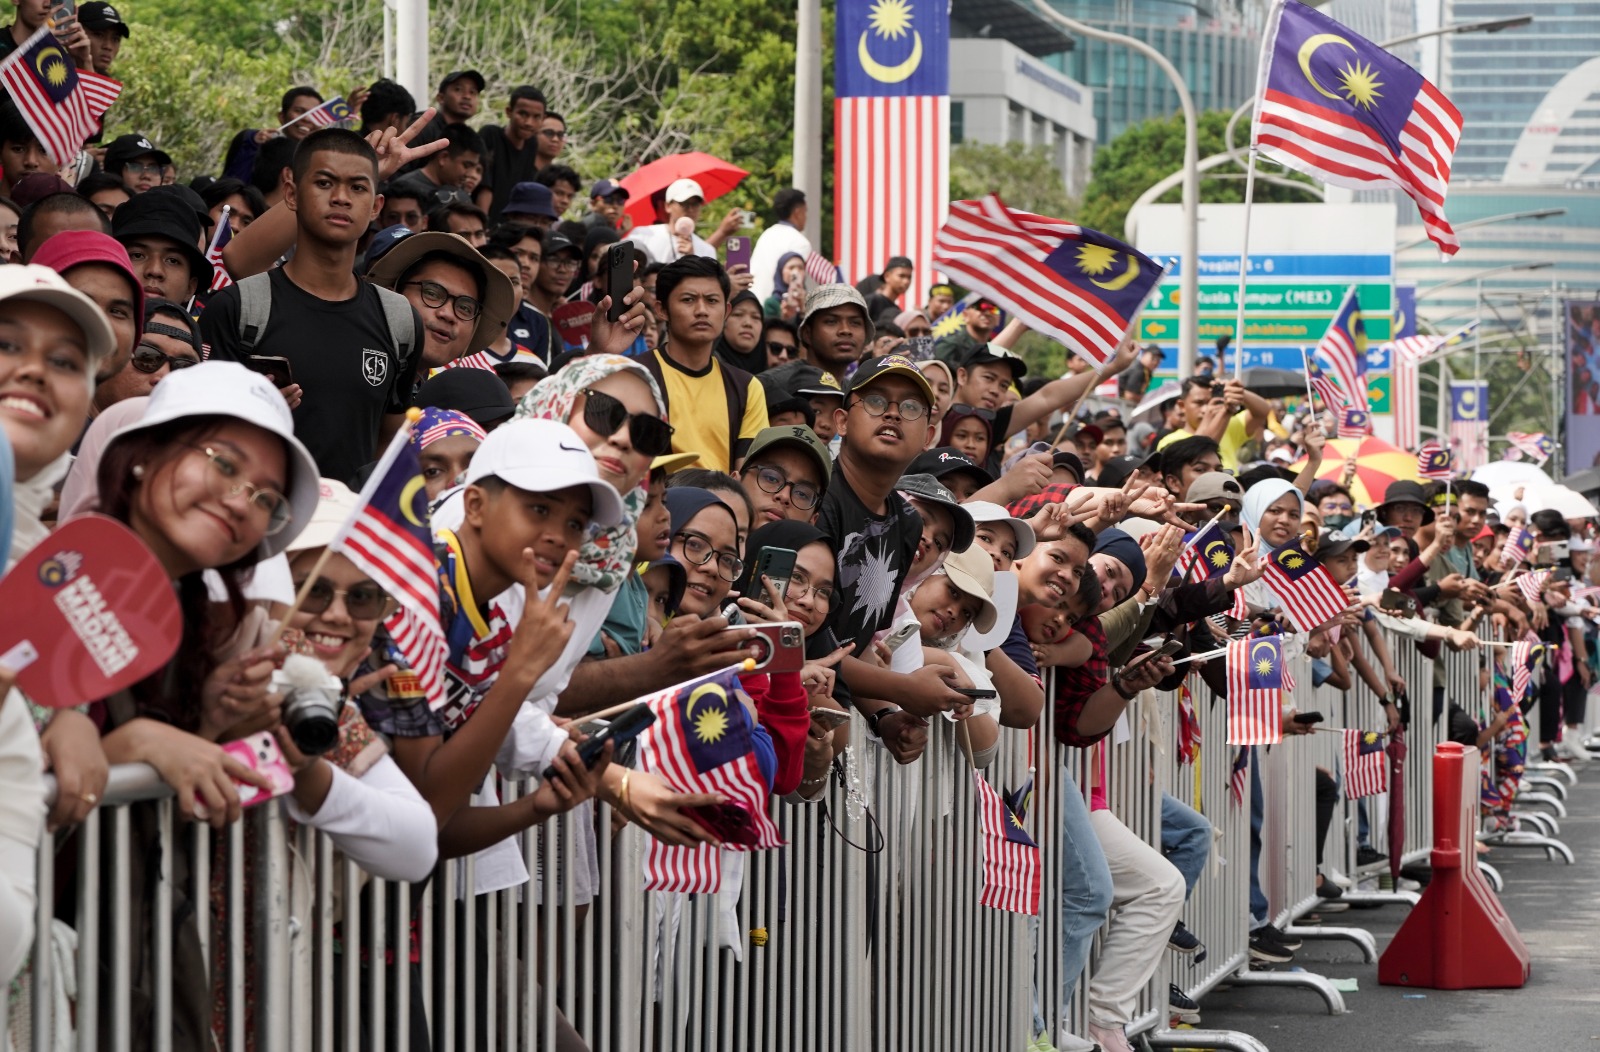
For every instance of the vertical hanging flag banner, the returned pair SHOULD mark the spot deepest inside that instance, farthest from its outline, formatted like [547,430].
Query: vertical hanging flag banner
[1469,422]
[891,132]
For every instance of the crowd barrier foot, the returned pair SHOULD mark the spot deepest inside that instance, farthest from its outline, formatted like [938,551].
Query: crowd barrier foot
[1232,1040]
[1548,799]
[1363,939]
[1380,898]
[1541,822]
[1493,876]
[1564,770]
[1546,784]
[1310,980]
[1553,848]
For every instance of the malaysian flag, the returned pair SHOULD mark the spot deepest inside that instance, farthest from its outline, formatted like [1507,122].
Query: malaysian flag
[1469,422]
[220,279]
[476,360]
[1209,550]
[334,111]
[1366,772]
[1308,592]
[1257,678]
[1333,398]
[1536,445]
[1518,546]
[891,132]
[1073,284]
[1339,107]
[822,270]
[1522,657]
[1434,461]
[1239,776]
[1531,585]
[1011,871]
[1404,354]
[702,742]
[389,538]
[61,105]
[1355,423]
[1344,348]
[1189,735]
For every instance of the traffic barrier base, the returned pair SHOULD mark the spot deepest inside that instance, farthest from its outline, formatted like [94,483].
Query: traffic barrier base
[1458,937]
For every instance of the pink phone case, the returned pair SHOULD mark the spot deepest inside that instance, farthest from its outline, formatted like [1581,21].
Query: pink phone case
[261,754]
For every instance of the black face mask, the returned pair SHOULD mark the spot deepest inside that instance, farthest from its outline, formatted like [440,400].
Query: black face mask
[1334,522]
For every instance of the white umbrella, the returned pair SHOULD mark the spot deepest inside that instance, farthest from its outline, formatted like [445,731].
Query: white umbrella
[1505,477]
[1569,502]
[1152,402]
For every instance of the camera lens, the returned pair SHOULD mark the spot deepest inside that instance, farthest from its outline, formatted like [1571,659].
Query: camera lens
[312,718]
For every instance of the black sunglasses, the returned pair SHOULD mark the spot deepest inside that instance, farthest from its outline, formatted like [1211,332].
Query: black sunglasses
[147,359]
[961,409]
[782,350]
[605,415]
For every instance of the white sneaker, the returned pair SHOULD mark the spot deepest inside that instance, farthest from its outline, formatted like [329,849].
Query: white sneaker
[1110,1038]
[1067,1041]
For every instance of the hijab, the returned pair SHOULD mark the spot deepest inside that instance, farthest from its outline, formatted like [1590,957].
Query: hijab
[779,286]
[1123,548]
[1260,497]
[685,502]
[606,559]
[752,361]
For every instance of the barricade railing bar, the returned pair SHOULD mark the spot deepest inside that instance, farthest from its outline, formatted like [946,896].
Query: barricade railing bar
[864,931]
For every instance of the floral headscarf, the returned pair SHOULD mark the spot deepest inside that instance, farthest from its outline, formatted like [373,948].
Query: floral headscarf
[606,558]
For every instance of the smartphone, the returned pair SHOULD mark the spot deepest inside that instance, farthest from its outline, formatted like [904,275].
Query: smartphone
[60,10]
[273,367]
[1561,573]
[261,754]
[1308,717]
[780,647]
[738,251]
[729,823]
[1166,649]
[1369,519]
[777,564]
[895,640]
[624,728]
[1393,599]
[619,277]
[1558,549]
[1217,390]
[832,717]
[975,692]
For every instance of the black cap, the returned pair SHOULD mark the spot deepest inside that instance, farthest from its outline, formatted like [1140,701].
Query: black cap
[451,78]
[554,242]
[165,215]
[927,488]
[478,393]
[1117,470]
[1405,491]
[100,15]
[946,460]
[994,354]
[125,148]
[1063,459]
[1331,543]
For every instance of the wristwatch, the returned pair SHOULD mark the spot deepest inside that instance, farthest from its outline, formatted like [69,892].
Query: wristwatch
[1116,685]
[877,717]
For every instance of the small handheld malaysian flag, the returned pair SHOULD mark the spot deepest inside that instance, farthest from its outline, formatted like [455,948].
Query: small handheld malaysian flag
[1537,445]
[1011,870]
[1075,285]
[1518,546]
[1189,733]
[1344,348]
[1532,585]
[822,270]
[1365,772]
[220,279]
[334,111]
[1308,592]
[1209,550]
[1434,461]
[61,105]
[1239,776]
[1522,658]
[1355,423]
[1257,677]
[1333,398]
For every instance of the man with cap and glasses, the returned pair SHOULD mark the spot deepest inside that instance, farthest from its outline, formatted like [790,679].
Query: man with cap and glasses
[977,329]
[785,475]
[531,205]
[607,199]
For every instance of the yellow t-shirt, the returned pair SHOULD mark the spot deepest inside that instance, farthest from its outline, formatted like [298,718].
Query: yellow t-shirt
[1233,438]
[697,407]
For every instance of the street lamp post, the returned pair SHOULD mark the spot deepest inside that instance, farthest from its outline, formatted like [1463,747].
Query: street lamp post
[1480,275]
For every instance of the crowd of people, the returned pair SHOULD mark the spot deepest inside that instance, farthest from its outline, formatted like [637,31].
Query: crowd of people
[610,464]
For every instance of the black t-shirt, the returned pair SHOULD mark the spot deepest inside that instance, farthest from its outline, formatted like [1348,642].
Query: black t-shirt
[875,554]
[505,166]
[343,358]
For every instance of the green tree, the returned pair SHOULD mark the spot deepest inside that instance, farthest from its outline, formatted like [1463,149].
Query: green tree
[1022,175]
[1150,151]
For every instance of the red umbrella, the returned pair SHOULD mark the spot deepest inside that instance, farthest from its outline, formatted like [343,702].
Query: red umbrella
[715,176]
[1397,800]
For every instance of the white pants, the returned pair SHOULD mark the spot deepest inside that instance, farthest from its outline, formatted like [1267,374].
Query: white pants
[1146,899]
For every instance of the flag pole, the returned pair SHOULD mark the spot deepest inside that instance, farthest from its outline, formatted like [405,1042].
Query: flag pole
[1244,264]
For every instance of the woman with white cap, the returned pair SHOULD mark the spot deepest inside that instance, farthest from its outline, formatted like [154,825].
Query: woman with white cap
[52,340]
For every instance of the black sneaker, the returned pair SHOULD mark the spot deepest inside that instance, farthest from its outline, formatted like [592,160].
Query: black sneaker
[1182,1007]
[1279,936]
[1265,950]
[1182,940]
[1368,856]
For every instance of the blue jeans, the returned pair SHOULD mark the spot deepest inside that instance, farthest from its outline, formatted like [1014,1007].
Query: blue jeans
[1185,839]
[1258,813]
[1085,887]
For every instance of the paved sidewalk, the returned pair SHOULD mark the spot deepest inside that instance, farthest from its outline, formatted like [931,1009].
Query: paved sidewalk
[1556,908]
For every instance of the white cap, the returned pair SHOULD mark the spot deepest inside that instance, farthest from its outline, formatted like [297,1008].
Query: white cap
[987,511]
[972,571]
[542,456]
[336,503]
[43,285]
[229,389]
[684,190]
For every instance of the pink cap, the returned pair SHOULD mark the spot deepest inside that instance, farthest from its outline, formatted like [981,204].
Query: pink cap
[72,248]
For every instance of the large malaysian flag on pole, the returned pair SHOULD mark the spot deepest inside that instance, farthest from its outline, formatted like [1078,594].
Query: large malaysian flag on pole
[891,130]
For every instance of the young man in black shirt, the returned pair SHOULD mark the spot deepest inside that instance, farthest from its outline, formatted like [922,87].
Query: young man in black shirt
[351,376]
[884,424]
[511,150]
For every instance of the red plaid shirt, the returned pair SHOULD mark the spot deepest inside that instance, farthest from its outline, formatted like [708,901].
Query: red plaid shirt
[1074,687]
[1055,493]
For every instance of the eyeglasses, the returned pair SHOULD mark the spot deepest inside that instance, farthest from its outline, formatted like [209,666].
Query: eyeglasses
[147,169]
[436,295]
[605,415]
[698,550]
[959,409]
[147,359]
[364,602]
[800,586]
[781,350]
[561,263]
[223,483]
[551,133]
[802,495]
[908,408]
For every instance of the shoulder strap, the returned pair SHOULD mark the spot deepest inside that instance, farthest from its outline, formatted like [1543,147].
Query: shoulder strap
[652,362]
[398,313]
[255,307]
[736,392]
